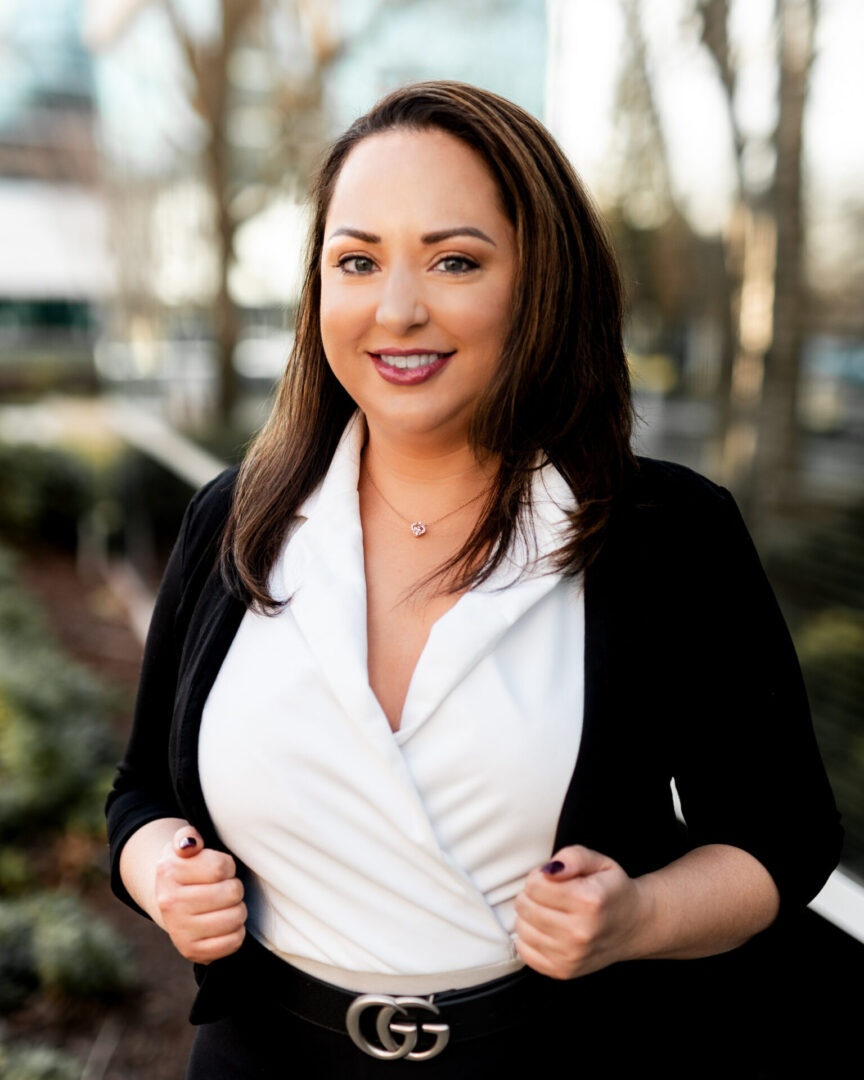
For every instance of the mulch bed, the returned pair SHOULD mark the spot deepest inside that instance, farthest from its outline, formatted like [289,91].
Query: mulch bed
[147,1036]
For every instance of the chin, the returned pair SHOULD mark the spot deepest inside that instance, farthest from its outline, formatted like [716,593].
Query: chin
[422,424]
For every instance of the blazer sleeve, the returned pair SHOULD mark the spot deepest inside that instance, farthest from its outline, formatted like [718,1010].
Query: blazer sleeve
[745,759]
[143,789]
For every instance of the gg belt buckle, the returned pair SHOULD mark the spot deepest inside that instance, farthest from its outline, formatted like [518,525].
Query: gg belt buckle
[391,1049]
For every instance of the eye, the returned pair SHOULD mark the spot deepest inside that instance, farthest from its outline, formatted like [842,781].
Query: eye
[456,264]
[356,264]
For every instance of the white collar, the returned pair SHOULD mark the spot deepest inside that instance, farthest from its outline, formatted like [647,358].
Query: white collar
[343,474]
[321,569]
[551,502]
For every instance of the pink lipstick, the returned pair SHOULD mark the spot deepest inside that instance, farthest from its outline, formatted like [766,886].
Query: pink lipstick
[408,367]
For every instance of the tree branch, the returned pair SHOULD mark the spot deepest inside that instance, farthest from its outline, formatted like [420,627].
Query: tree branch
[714,16]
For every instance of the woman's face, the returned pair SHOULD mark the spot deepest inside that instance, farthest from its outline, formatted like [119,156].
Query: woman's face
[417,272]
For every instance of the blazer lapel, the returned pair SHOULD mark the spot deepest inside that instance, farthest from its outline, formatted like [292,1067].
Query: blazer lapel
[214,622]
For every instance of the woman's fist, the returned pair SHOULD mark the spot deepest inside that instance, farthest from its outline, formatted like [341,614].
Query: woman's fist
[200,898]
[577,914]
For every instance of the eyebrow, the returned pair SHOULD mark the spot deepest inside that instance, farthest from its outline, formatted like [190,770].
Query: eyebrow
[460,230]
[428,238]
[358,234]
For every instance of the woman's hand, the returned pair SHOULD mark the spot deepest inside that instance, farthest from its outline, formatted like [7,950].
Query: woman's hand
[577,914]
[200,898]
[581,912]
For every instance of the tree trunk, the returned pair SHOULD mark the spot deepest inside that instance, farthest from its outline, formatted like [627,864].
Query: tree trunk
[778,444]
[224,310]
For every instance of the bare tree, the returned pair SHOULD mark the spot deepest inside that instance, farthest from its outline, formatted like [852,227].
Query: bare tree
[297,96]
[208,66]
[237,185]
[767,295]
[208,62]
[644,159]
[777,449]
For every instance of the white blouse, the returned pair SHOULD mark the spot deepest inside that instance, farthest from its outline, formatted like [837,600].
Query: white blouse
[395,854]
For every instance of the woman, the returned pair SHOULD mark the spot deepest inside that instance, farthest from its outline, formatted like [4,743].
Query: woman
[420,675]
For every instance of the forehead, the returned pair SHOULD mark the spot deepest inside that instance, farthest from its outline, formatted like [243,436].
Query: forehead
[429,175]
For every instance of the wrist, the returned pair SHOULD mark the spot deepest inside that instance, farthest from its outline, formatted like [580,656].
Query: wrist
[139,862]
[645,941]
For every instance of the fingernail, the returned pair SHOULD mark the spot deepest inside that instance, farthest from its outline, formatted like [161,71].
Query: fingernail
[187,842]
[554,867]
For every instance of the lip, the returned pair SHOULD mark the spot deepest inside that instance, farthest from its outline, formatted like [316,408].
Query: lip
[408,376]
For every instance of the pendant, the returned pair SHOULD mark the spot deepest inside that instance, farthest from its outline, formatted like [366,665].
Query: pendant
[418,528]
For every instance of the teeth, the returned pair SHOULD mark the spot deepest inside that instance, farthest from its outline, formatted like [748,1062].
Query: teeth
[415,360]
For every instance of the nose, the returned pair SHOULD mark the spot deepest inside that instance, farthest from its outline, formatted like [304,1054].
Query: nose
[401,306]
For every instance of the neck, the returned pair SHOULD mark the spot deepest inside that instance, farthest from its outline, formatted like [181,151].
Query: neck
[439,471]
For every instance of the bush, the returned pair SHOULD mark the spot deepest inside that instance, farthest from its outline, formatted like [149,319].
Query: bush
[50,942]
[18,976]
[56,752]
[38,1063]
[55,748]
[15,873]
[112,499]
[54,718]
[831,650]
[53,736]
[150,502]
[76,955]
[43,493]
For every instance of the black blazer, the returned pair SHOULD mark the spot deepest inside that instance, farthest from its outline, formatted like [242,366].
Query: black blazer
[689,673]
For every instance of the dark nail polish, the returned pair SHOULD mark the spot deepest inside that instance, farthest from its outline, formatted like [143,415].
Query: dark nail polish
[187,842]
[554,867]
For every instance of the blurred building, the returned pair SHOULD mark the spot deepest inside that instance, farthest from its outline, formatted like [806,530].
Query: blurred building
[55,266]
[294,75]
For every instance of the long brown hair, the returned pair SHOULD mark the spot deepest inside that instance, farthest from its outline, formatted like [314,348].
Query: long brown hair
[561,392]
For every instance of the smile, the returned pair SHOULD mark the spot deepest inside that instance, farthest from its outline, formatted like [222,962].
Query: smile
[408,369]
[411,361]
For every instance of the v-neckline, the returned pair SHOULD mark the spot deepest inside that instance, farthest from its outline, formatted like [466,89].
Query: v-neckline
[322,569]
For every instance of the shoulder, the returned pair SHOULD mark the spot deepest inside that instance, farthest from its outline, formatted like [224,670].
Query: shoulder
[210,505]
[215,496]
[203,524]
[668,516]
[666,484]
[665,496]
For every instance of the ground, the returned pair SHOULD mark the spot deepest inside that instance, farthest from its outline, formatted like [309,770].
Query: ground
[148,1036]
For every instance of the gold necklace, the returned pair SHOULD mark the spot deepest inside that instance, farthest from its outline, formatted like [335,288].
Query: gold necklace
[420,528]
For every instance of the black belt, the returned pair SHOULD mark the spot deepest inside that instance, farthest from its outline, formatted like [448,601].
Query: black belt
[402,1025]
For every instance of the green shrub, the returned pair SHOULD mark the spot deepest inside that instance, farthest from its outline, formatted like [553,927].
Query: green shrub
[819,575]
[831,650]
[43,493]
[85,814]
[150,502]
[114,497]
[15,872]
[56,747]
[23,629]
[76,954]
[50,942]
[38,1063]
[18,975]
[55,737]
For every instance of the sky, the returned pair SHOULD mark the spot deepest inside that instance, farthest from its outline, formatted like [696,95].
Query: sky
[146,122]
[585,47]
[581,96]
